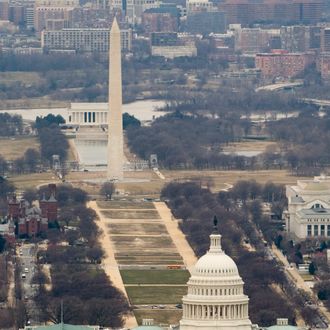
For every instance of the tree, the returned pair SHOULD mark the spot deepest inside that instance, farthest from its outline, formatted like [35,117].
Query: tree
[312,268]
[30,195]
[2,243]
[107,189]
[31,158]
[3,165]
[129,120]
[5,187]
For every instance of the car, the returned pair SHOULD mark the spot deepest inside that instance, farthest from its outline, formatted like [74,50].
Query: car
[23,276]
[26,270]
[179,306]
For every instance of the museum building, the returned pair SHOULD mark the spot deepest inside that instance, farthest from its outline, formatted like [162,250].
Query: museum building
[308,213]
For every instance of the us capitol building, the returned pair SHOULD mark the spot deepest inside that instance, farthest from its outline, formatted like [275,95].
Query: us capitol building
[215,298]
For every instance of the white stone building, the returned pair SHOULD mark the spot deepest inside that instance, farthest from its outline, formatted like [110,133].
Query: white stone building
[308,213]
[215,298]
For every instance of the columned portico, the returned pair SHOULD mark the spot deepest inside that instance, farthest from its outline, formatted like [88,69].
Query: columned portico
[88,114]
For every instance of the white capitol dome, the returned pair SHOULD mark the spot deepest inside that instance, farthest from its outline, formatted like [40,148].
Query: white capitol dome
[215,298]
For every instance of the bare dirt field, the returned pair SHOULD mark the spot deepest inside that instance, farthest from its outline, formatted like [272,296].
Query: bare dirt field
[25,181]
[15,147]
[32,103]
[251,145]
[9,78]
[152,188]
[219,178]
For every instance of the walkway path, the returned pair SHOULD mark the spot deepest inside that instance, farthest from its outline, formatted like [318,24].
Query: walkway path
[299,282]
[109,264]
[179,239]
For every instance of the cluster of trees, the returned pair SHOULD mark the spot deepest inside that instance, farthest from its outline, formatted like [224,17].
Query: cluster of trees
[196,206]
[10,125]
[47,121]
[305,141]
[42,63]
[6,187]
[238,101]
[86,292]
[182,141]
[52,140]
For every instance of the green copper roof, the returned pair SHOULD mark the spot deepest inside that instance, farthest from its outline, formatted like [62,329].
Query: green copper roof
[147,327]
[62,327]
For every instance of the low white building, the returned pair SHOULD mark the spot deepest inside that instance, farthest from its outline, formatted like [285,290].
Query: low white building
[308,213]
[174,51]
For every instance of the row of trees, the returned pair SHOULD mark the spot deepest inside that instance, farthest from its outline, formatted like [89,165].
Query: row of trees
[52,140]
[186,141]
[87,294]
[10,125]
[305,140]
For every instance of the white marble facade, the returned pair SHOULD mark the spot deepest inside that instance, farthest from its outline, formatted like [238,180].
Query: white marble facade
[308,213]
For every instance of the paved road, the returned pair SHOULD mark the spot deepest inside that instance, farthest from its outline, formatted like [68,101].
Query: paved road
[27,257]
[299,282]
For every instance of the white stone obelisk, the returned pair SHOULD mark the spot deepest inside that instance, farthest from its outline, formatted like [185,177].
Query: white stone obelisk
[115,118]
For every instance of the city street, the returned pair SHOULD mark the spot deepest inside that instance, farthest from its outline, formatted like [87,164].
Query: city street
[27,257]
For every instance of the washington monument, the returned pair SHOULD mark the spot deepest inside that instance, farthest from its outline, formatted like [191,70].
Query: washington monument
[115,119]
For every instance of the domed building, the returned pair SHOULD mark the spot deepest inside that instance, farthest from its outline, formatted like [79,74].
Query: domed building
[215,298]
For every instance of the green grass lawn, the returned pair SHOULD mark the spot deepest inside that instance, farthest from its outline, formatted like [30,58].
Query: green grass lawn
[125,205]
[138,228]
[159,276]
[146,242]
[141,295]
[159,316]
[135,214]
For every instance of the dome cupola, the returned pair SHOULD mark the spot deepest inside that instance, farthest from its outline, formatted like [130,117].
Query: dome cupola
[215,298]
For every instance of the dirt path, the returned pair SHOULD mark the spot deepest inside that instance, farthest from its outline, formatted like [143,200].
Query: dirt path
[109,263]
[176,234]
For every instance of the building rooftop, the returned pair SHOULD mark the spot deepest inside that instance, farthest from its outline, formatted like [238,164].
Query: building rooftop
[62,326]
[314,213]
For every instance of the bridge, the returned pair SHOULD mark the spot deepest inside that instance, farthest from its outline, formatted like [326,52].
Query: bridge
[318,102]
[288,85]
[280,86]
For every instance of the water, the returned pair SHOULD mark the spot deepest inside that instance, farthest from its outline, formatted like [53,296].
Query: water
[92,152]
[145,110]
[245,153]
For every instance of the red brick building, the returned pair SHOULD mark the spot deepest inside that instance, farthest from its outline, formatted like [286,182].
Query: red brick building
[324,65]
[32,221]
[281,64]
[159,22]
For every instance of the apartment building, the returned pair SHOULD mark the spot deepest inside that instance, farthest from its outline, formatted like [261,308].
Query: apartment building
[83,40]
